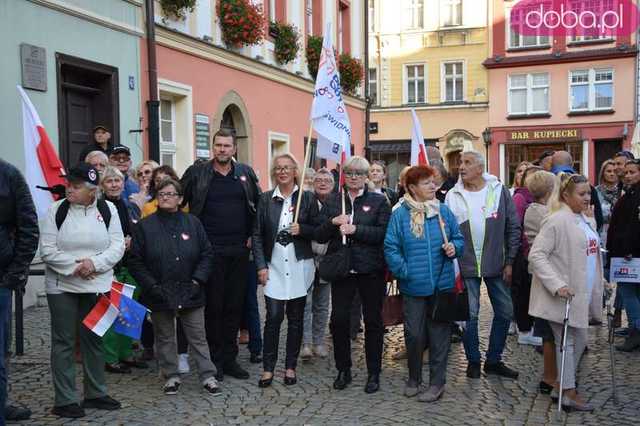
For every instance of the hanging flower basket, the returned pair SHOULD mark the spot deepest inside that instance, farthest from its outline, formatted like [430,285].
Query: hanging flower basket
[241,22]
[177,9]
[351,69]
[286,44]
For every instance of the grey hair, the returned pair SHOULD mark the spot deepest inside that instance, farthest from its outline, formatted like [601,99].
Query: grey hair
[111,172]
[357,163]
[98,154]
[324,172]
[477,156]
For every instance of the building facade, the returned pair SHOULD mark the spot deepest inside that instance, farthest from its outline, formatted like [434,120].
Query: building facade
[204,85]
[427,55]
[79,62]
[571,93]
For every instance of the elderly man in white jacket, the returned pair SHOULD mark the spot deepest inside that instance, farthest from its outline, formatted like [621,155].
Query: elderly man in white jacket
[81,241]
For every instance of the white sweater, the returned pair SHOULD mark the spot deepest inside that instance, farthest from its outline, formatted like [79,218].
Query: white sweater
[83,234]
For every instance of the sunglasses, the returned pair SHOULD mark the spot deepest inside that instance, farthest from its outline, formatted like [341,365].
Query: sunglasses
[144,172]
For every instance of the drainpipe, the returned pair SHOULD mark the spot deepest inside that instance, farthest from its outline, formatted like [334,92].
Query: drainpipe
[153,104]
[367,111]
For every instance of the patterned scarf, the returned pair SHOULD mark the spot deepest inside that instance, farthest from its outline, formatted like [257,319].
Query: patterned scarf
[419,211]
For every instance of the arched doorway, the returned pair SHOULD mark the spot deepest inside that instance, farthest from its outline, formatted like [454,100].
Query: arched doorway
[455,142]
[232,114]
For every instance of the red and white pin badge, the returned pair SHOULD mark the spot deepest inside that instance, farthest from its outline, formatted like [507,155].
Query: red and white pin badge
[185,236]
[291,208]
[99,217]
[366,208]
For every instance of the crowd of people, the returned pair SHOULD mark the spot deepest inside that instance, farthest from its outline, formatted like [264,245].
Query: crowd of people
[197,247]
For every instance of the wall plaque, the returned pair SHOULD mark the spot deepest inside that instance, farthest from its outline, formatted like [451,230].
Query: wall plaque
[34,67]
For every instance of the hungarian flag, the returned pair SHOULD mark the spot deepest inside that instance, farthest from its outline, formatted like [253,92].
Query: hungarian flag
[43,167]
[119,289]
[418,150]
[101,316]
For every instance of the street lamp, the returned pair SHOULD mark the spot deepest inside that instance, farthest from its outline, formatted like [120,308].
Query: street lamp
[486,137]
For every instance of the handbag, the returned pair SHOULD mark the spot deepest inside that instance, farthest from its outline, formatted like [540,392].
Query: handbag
[392,307]
[450,306]
[335,266]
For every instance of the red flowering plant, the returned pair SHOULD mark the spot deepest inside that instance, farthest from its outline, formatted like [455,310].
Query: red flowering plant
[286,44]
[314,48]
[242,23]
[351,69]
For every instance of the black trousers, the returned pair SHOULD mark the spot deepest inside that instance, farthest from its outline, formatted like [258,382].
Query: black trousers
[371,288]
[520,291]
[225,306]
[295,321]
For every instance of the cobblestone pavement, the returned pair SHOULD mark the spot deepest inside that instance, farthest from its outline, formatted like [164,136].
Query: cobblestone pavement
[488,401]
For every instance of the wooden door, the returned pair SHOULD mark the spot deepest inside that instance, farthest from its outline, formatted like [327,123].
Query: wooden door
[80,120]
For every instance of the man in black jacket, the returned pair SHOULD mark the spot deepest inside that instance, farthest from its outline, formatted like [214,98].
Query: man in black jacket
[224,195]
[18,244]
[101,142]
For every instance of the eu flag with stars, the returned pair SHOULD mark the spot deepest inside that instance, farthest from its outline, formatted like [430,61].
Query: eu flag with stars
[130,318]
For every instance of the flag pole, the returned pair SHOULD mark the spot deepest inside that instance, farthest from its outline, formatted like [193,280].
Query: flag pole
[307,154]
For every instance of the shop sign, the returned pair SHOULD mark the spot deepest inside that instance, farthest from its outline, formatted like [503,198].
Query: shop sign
[202,136]
[554,135]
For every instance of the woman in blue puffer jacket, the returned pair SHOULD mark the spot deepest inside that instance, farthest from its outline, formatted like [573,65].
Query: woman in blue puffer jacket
[418,257]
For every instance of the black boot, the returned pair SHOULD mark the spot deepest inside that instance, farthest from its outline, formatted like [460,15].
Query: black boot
[343,379]
[373,383]
[632,341]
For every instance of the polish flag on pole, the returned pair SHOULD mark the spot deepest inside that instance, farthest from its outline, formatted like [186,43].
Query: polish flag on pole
[418,150]
[101,316]
[328,111]
[119,289]
[43,167]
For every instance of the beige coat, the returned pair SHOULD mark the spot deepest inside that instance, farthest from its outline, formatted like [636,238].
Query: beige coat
[558,259]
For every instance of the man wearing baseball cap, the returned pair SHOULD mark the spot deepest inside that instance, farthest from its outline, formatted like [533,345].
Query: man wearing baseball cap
[101,142]
[120,158]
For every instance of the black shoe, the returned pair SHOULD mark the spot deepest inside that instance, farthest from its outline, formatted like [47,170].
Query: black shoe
[71,411]
[373,383]
[102,403]
[255,359]
[343,379]
[265,383]
[500,369]
[135,363]
[117,368]
[289,381]
[14,413]
[545,388]
[632,341]
[473,370]
[234,370]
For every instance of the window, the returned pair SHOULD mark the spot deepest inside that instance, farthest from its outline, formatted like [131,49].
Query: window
[373,85]
[516,38]
[413,15]
[452,82]
[591,90]
[372,15]
[450,13]
[167,132]
[415,89]
[591,6]
[528,94]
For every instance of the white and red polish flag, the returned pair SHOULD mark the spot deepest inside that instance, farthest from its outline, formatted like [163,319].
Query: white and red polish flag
[43,167]
[101,316]
[418,150]
[328,111]
[119,289]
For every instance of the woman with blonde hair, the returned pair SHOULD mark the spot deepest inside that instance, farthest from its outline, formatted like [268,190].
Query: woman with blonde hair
[566,264]
[608,193]
[284,260]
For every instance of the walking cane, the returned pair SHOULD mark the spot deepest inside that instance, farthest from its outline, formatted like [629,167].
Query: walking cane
[563,349]
[611,350]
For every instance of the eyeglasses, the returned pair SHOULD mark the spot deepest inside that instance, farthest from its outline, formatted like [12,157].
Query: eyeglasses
[326,181]
[285,169]
[167,194]
[144,172]
[354,174]
[573,178]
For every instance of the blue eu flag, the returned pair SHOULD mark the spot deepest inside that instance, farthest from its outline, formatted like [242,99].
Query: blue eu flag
[130,318]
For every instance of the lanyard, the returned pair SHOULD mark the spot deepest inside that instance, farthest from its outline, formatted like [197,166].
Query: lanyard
[489,202]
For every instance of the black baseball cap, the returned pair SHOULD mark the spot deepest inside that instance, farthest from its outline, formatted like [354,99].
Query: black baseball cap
[545,154]
[628,154]
[119,149]
[100,127]
[83,172]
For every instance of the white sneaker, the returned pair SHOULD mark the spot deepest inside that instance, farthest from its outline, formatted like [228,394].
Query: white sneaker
[513,329]
[172,386]
[306,352]
[529,339]
[183,363]
[211,385]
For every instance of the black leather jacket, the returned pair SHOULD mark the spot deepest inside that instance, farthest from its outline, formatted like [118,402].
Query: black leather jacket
[169,251]
[18,227]
[371,215]
[195,186]
[265,229]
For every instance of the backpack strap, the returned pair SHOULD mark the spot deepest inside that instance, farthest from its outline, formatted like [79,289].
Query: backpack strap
[61,213]
[105,212]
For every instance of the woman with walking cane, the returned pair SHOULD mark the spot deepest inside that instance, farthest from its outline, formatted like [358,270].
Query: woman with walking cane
[567,279]
[418,253]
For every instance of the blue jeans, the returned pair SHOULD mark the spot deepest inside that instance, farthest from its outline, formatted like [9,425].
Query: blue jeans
[500,297]
[251,314]
[5,313]
[631,298]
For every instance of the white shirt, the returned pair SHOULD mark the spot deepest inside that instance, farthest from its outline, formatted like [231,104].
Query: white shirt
[593,250]
[477,204]
[289,278]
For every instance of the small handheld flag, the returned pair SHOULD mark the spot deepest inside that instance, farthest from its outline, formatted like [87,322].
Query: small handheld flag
[130,318]
[101,316]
